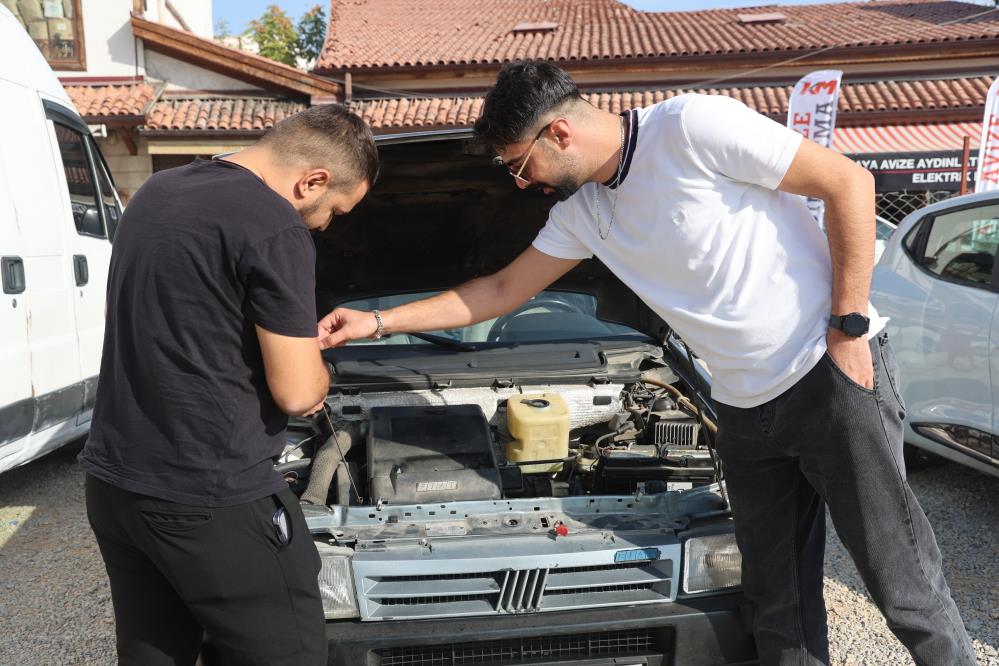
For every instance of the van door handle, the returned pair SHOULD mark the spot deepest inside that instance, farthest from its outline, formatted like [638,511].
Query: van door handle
[81,270]
[12,271]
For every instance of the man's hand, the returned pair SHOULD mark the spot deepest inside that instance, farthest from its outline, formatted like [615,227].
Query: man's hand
[342,325]
[852,356]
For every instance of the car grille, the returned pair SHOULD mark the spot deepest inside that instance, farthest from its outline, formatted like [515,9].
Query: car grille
[504,590]
[609,644]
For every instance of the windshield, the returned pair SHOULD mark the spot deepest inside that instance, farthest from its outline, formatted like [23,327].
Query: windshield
[549,316]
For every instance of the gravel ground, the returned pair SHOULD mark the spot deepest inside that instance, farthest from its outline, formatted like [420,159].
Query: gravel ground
[55,606]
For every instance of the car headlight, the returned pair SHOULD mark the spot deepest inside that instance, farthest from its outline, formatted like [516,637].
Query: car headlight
[711,563]
[336,582]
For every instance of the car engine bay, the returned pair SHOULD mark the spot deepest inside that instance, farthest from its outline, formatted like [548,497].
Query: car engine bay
[420,446]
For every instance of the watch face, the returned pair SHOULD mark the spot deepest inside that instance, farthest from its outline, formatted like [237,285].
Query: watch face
[855,325]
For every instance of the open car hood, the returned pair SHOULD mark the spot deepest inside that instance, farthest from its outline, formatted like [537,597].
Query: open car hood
[441,214]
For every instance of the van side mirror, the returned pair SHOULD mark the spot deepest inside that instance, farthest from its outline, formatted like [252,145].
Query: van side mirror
[91,223]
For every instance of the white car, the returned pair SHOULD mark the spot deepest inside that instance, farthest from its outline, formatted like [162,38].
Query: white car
[883,229]
[937,284]
[58,209]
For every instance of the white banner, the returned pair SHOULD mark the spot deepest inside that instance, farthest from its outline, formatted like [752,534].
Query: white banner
[987,174]
[811,111]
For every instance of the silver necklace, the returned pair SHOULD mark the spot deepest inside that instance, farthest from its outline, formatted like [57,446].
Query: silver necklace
[596,194]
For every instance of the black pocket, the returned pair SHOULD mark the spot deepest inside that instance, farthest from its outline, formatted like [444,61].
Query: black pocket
[176,521]
[846,378]
[279,532]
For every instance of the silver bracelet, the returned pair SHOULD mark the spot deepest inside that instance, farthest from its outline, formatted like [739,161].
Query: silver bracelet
[381,325]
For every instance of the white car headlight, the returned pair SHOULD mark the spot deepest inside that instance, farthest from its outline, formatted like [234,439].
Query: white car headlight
[711,563]
[336,582]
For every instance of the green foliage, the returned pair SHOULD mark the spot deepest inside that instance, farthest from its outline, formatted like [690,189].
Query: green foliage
[275,35]
[311,33]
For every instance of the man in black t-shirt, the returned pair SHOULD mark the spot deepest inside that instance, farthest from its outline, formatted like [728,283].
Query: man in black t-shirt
[210,344]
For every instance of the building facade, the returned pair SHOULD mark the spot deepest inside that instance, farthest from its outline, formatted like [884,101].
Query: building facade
[154,86]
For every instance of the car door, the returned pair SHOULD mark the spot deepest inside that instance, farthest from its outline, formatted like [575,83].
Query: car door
[32,179]
[16,405]
[88,193]
[945,328]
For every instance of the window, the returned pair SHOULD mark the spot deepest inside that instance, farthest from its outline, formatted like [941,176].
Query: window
[550,316]
[962,245]
[56,26]
[80,181]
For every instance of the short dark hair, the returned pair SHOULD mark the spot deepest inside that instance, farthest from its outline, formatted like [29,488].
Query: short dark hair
[328,136]
[524,91]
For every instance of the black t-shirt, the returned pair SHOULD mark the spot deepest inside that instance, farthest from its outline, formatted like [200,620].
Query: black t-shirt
[183,412]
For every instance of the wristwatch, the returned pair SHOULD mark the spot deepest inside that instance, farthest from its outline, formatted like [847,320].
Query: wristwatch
[853,324]
[381,325]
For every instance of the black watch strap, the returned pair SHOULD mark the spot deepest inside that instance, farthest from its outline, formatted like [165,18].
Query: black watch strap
[853,324]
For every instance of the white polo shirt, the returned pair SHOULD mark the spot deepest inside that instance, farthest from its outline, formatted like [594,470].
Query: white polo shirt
[739,269]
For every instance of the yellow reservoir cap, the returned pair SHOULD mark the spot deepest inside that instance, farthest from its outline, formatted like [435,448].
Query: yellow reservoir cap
[539,425]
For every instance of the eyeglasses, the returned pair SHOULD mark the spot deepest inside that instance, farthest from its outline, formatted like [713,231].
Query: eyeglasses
[517,174]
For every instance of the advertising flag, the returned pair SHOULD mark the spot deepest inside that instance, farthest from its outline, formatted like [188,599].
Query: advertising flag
[811,111]
[987,174]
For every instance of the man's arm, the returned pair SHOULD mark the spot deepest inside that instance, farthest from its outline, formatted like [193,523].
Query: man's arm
[296,375]
[848,192]
[474,301]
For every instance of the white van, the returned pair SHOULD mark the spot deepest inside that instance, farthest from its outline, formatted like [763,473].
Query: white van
[58,211]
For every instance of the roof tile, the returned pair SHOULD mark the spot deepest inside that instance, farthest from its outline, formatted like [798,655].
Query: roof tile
[462,111]
[105,101]
[219,113]
[392,33]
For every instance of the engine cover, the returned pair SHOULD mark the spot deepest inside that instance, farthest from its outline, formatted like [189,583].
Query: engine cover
[431,454]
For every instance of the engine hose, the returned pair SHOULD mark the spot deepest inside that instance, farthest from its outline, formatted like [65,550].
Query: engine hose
[324,467]
[683,400]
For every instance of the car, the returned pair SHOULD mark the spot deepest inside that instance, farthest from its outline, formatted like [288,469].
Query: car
[540,487]
[937,284]
[58,211]
[883,229]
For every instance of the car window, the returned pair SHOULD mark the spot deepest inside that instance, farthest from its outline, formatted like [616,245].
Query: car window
[962,245]
[883,230]
[80,181]
[550,316]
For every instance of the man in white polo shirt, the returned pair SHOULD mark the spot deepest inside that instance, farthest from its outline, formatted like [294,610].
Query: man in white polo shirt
[693,203]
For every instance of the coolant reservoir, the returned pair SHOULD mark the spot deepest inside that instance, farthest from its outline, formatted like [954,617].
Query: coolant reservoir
[539,424]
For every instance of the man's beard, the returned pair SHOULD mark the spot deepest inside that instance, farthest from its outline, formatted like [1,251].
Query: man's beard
[563,189]
[316,207]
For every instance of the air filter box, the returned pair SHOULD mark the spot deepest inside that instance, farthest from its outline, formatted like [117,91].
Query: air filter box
[431,454]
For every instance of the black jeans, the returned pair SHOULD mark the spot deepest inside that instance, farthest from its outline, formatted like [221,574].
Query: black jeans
[830,441]
[178,572]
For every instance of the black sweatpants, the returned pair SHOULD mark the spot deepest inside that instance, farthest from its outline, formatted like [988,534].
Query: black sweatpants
[179,572]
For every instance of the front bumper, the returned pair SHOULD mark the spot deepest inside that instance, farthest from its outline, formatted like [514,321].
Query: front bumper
[713,630]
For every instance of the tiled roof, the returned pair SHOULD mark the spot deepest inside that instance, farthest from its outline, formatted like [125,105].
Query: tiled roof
[219,113]
[394,33]
[887,96]
[106,101]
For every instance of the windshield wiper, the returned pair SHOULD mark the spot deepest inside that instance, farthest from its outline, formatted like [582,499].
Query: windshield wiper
[441,341]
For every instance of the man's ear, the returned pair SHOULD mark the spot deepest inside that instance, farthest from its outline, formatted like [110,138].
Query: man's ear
[311,181]
[561,131]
